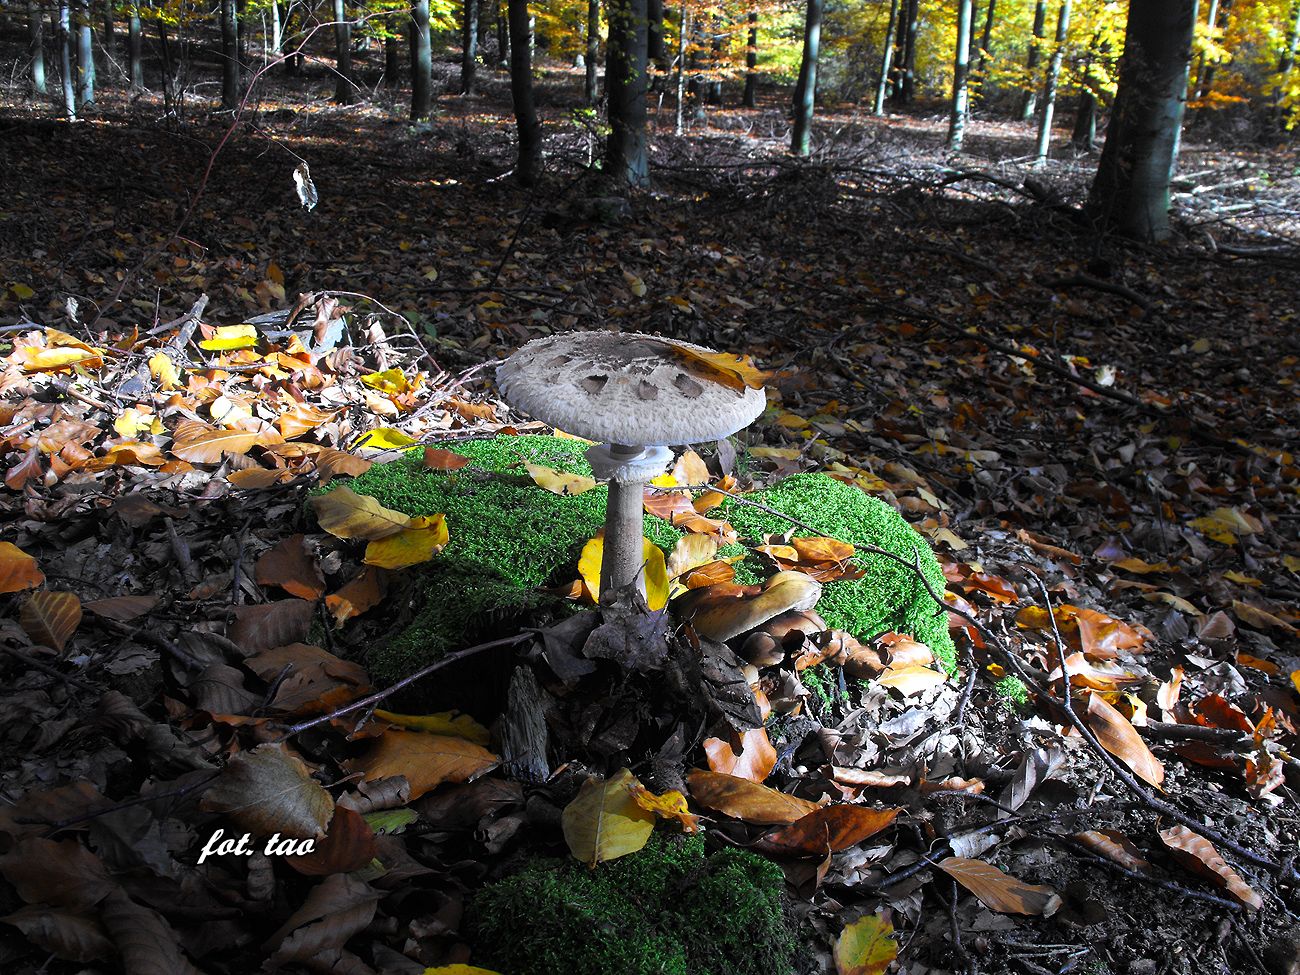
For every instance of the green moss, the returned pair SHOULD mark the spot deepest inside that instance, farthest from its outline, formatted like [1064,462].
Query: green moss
[1012,691]
[668,910]
[890,596]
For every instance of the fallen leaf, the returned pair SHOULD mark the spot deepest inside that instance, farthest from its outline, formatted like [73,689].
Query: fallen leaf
[349,844]
[289,566]
[671,805]
[754,759]
[436,459]
[1000,891]
[1114,846]
[557,482]
[211,446]
[830,829]
[451,723]
[911,680]
[270,790]
[363,593]
[121,608]
[736,372]
[425,760]
[604,821]
[1198,855]
[415,544]
[746,800]
[383,438]
[1120,738]
[228,337]
[18,570]
[345,514]
[865,947]
[656,571]
[50,617]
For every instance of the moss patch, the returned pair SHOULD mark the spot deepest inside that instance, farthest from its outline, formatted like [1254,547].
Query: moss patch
[889,597]
[670,909]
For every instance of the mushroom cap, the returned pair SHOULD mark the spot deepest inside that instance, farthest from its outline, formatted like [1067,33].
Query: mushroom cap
[623,388]
[738,612]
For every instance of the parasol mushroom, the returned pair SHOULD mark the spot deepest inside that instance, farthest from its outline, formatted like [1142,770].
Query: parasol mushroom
[635,395]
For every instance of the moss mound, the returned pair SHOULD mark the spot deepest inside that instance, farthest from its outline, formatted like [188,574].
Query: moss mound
[889,597]
[670,909]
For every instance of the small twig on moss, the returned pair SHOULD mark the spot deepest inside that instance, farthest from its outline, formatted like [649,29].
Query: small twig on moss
[1122,773]
[406,681]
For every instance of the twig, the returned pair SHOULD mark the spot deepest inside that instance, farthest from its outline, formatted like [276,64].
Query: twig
[184,657]
[404,682]
[1169,885]
[1096,284]
[63,824]
[45,668]
[1123,773]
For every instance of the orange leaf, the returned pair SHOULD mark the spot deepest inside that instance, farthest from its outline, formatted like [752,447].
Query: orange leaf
[829,830]
[736,372]
[51,617]
[356,597]
[1120,738]
[211,446]
[746,800]
[822,549]
[755,760]
[1198,855]
[1000,891]
[425,760]
[443,460]
[290,567]
[300,419]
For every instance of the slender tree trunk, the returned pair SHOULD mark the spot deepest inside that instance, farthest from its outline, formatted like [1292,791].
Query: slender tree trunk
[886,59]
[751,62]
[1030,102]
[529,167]
[109,40]
[421,61]
[85,56]
[1287,60]
[1202,65]
[135,48]
[484,24]
[229,55]
[344,90]
[986,43]
[713,92]
[1084,134]
[275,39]
[1130,193]
[469,46]
[654,44]
[683,24]
[36,47]
[593,50]
[908,27]
[66,61]
[392,63]
[805,92]
[503,38]
[1050,85]
[241,31]
[626,157]
[960,79]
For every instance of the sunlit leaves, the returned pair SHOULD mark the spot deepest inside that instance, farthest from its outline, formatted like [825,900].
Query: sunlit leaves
[423,538]
[18,570]
[746,800]
[557,482]
[383,438]
[736,372]
[866,946]
[225,338]
[999,891]
[425,760]
[656,571]
[604,821]
[345,514]
[1119,738]
[208,447]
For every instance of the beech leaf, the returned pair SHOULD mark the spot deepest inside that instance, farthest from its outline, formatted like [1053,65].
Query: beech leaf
[1121,739]
[866,947]
[605,821]
[1000,891]
[345,514]
[269,790]
[51,617]
[745,800]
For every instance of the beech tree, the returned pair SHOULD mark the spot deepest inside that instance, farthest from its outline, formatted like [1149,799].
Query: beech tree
[886,60]
[593,50]
[36,46]
[421,61]
[751,61]
[805,92]
[469,46]
[66,61]
[1130,192]
[960,79]
[85,56]
[626,158]
[529,166]
[134,47]
[1050,84]
[344,89]
[229,55]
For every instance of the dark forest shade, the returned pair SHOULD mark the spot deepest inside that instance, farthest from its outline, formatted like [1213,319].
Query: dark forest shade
[229,55]
[529,167]
[805,91]
[626,158]
[421,61]
[1130,193]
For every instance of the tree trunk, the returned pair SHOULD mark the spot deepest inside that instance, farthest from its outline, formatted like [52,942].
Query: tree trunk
[1030,102]
[683,22]
[1084,135]
[654,43]
[1049,86]
[593,50]
[275,39]
[421,61]
[626,158]
[713,92]
[36,47]
[66,61]
[960,79]
[85,56]
[1130,193]
[1287,60]
[344,90]
[392,63]
[805,92]
[503,39]
[905,86]
[469,46]
[751,62]
[229,55]
[109,40]
[529,167]
[484,25]
[135,48]
[986,44]
[886,58]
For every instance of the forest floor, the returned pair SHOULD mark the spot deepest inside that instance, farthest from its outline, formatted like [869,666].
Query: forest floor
[1117,420]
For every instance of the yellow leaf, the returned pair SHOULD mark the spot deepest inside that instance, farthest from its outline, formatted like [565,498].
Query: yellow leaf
[163,369]
[665,480]
[691,552]
[273,273]
[634,284]
[736,372]
[656,571]
[388,381]
[426,761]
[18,570]
[604,821]
[866,947]
[670,805]
[451,723]
[1223,525]
[21,291]
[416,544]
[911,680]
[565,485]
[52,359]
[132,422]
[1295,680]
[208,446]
[229,337]
[383,438]
[345,514]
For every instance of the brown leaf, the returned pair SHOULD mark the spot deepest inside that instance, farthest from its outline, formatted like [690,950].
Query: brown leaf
[72,937]
[63,873]
[755,760]
[1000,891]
[822,549]
[736,372]
[335,909]
[301,418]
[666,504]
[311,680]
[122,608]
[290,567]
[146,942]
[691,469]
[51,617]
[211,446]
[18,570]
[829,830]
[443,460]
[330,463]
[27,469]
[345,514]
[746,800]
[425,760]
[263,627]
[1198,855]
[349,844]
[1120,738]
[364,592]
[1114,846]
[270,790]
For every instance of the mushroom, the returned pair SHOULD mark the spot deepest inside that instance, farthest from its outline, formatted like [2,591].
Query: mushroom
[725,611]
[635,395]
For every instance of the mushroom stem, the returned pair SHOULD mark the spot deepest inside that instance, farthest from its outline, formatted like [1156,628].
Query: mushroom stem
[621,565]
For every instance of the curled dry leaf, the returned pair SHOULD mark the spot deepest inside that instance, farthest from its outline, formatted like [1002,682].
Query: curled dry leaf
[345,514]
[364,592]
[425,760]
[270,790]
[1119,737]
[1000,891]
[605,821]
[290,567]
[753,759]
[733,371]
[911,680]
[829,829]
[1114,846]
[746,800]
[1198,855]
[18,570]
[866,947]
[50,617]
[671,805]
